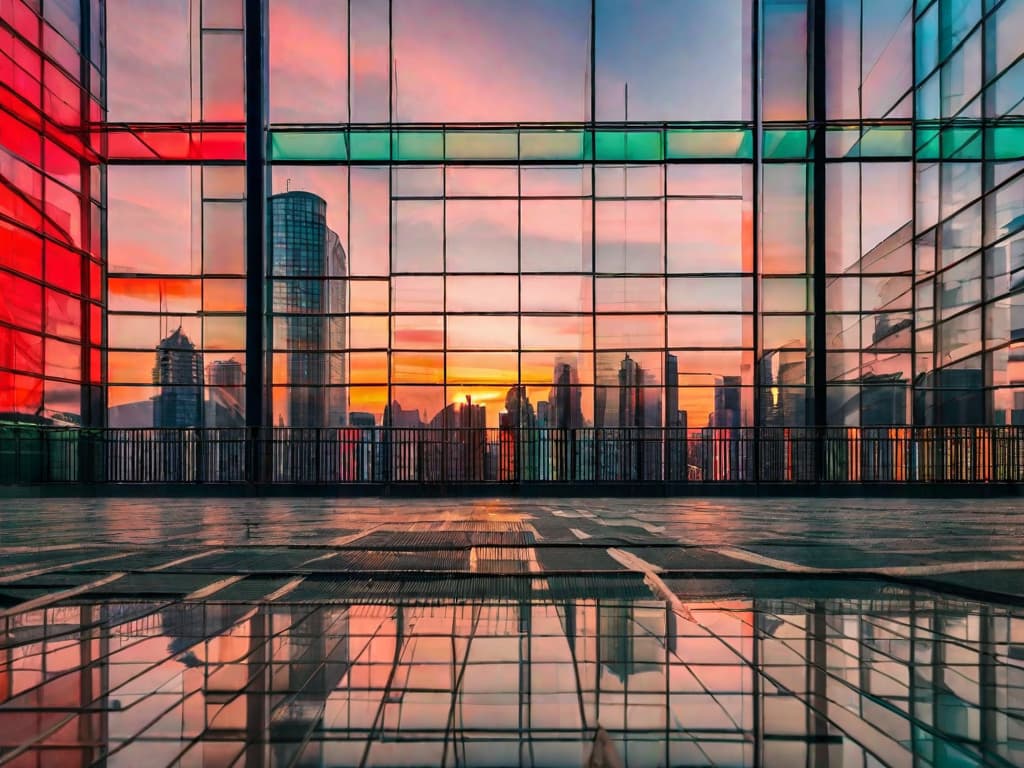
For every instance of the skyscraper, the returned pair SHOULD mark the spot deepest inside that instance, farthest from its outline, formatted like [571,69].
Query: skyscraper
[179,374]
[631,393]
[566,397]
[672,416]
[308,264]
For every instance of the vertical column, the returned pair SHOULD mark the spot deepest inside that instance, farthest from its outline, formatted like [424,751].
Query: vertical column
[255,227]
[816,76]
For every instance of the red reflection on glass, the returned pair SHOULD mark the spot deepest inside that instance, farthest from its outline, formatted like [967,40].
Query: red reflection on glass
[126,144]
[20,250]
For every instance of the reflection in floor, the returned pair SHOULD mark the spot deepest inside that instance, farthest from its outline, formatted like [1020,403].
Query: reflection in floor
[522,672]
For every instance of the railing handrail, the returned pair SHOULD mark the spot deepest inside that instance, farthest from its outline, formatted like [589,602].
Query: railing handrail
[519,455]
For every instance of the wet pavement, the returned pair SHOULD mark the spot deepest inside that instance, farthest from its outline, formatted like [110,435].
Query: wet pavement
[511,633]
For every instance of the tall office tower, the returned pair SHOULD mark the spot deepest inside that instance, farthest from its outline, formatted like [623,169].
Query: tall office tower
[632,411]
[179,374]
[727,411]
[307,266]
[225,394]
[565,400]
[672,416]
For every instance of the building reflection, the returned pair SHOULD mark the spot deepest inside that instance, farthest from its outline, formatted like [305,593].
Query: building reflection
[878,677]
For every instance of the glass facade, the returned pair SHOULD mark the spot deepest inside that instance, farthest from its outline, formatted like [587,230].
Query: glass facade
[51,259]
[579,214]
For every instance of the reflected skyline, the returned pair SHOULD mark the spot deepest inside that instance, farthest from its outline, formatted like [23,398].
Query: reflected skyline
[754,675]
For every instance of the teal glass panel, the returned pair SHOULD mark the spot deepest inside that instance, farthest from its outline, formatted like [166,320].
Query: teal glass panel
[926,41]
[1006,143]
[628,146]
[417,146]
[711,143]
[887,141]
[961,144]
[481,145]
[573,145]
[373,146]
[786,144]
[928,143]
[329,146]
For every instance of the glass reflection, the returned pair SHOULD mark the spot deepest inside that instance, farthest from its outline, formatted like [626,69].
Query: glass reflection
[756,674]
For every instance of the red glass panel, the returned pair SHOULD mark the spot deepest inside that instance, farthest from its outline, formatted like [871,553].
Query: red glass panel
[19,138]
[21,250]
[21,302]
[63,268]
[24,20]
[63,315]
[60,50]
[20,351]
[95,325]
[63,166]
[22,394]
[123,144]
[63,360]
[62,97]
[95,281]
[63,213]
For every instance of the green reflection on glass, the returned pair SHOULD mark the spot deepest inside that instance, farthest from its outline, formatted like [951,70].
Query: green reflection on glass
[628,146]
[374,146]
[928,144]
[308,146]
[961,144]
[417,145]
[786,144]
[574,145]
[1006,142]
[887,141]
[481,145]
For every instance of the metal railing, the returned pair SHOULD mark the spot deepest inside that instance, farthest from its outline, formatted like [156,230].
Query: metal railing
[396,455]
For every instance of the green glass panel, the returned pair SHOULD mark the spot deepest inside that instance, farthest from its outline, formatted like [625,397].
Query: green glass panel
[785,144]
[927,144]
[711,143]
[1006,142]
[554,145]
[961,144]
[308,146]
[628,146]
[610,145]
[887,141]
[374,146]
[481,145]
[417,145]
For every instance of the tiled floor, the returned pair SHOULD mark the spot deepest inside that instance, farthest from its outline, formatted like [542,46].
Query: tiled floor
[508,633]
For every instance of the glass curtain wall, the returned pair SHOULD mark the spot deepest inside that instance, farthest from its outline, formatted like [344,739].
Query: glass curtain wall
[589,213]
[51,198]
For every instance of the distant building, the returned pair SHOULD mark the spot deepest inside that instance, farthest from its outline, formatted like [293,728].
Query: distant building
[565,401]
[361,419]
[178,372]
[308,264]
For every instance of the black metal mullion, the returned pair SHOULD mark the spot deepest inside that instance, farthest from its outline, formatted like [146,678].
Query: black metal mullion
[255,225]
[816,34]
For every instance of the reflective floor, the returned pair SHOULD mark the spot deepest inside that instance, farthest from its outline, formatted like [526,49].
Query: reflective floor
[489,640]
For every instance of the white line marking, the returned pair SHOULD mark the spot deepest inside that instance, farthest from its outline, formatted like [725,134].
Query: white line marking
[652,580]
[579,534]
